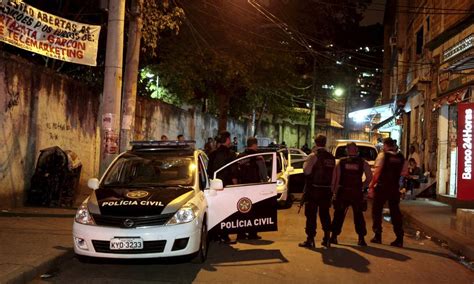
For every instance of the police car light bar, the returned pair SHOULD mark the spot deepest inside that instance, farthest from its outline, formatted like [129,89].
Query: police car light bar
[162,143]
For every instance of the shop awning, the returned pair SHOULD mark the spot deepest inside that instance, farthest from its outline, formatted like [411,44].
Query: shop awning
[451,98]
[383,123]
[466,63]
[365,113]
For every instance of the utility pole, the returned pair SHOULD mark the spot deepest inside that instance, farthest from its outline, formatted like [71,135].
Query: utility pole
[132,60]
[110,120]
[313,105]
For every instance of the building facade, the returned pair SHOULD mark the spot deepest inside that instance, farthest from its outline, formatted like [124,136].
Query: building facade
[431,67]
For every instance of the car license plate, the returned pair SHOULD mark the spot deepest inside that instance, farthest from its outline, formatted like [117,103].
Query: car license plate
[126,244]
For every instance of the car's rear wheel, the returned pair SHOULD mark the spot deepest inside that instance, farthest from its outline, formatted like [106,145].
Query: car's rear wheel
[203,245]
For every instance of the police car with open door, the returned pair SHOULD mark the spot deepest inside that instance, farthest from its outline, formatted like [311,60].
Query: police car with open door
[155,201]
[241,207]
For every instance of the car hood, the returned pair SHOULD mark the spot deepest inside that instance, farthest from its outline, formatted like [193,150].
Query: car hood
[129,202]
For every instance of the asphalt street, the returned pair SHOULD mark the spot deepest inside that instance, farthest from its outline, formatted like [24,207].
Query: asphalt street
[278,259]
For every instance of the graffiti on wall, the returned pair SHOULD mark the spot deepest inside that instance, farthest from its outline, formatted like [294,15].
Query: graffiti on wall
[55,128]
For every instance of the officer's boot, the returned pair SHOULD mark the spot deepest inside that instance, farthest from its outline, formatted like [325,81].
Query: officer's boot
[377,239]
[309,243]
[326,238]
[398,242]
[362,242]
[333,239]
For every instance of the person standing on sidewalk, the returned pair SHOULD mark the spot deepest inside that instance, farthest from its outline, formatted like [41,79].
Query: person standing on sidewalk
[390,165]
[318,170]
[347,188]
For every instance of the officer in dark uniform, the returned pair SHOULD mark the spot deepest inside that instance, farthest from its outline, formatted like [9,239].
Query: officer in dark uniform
[348,188]
[389,166]
[251,170]
[218,158]
[318,170]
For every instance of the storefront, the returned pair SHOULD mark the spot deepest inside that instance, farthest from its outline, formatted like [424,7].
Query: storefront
[380,121]
[455,88]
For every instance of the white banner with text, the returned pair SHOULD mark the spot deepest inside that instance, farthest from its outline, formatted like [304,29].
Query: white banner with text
[26,27]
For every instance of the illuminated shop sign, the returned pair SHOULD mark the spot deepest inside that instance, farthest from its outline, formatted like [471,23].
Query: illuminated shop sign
[459,48]
[465,188]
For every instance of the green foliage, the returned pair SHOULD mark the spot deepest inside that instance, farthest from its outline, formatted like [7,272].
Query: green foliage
[226,49]
[157,17]
[149,83]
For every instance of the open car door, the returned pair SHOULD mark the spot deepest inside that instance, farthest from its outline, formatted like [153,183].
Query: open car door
[244,206]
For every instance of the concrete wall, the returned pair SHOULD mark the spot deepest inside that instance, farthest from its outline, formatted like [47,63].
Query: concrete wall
[38,112]
[41,109]
[154,118]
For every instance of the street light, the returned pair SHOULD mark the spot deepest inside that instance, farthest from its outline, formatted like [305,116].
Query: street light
[338,92]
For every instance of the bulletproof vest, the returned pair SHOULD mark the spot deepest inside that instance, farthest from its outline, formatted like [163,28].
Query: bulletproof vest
[248,169]
[352,169]
[391,170]
[321,174]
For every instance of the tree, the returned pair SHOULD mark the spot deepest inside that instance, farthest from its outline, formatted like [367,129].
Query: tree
[227,62]
[229,54]
[157,16]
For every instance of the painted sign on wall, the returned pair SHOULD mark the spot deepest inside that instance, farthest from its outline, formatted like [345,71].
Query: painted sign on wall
[465,188]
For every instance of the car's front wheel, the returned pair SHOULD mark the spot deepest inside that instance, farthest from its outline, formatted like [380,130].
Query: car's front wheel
[204,244]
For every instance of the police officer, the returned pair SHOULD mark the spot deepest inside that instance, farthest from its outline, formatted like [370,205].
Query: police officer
[218,158]
[318,170]
[389,166]
[347,187]
[221,156]
[251,170]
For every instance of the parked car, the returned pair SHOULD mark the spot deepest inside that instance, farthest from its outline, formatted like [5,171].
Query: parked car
[290,178]
[367,150]
[156,200]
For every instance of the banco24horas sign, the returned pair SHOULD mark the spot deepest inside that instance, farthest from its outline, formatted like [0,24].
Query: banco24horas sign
[465,187]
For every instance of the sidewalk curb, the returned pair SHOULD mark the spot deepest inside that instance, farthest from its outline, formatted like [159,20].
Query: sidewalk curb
[28,273]
[448,237]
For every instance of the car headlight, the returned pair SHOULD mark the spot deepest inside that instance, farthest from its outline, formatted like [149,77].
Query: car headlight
[83,216]
[281,182]
[186,214]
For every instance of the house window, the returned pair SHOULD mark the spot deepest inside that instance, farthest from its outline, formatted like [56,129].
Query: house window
[419,41]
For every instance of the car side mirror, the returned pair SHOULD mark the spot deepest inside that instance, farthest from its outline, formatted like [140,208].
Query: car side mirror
[290,169]
[216,184]
[93,183]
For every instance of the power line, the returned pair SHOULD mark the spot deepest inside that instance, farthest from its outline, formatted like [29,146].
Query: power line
[422,7]
[435,12]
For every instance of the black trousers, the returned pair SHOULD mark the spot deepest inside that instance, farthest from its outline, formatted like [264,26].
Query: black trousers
[341,206]
[317,200]
[381,196]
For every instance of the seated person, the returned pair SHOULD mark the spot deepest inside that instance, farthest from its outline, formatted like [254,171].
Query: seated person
[413,179]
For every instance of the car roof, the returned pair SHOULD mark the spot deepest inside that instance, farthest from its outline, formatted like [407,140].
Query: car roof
[185,147]
[357,142]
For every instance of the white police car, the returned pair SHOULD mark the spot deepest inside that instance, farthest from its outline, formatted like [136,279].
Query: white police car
[290,178]
[156,201]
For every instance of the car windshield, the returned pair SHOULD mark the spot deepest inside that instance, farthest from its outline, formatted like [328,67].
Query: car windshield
[368,153]
[151,169]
